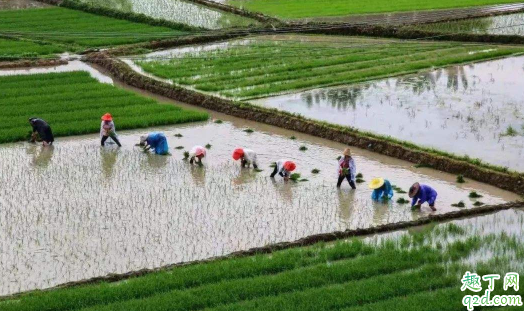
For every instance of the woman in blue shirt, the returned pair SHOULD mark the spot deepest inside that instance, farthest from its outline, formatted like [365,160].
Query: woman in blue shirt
[156,141]
[382,190]
[421,194]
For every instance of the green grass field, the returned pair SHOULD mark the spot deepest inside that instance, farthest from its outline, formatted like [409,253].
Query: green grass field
[78,29]
[14,49]
[293,9]
[73,103]
[417,270]
[263,68]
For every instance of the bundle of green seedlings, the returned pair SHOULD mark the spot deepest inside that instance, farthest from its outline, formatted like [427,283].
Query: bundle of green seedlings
[412,271]
[72,104]
[263,68]
[78,30]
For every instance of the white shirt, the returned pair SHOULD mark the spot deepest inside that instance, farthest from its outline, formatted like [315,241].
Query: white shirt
[281,169]
[193,151]
[250,156]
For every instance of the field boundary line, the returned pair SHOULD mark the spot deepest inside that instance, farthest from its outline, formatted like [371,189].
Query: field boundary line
[238,11]
[32,63]
[302,242]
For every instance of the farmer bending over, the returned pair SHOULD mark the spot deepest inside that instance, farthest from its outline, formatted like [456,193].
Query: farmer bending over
[422,194]
[196,154]
[107,130]
[347,169]
[246,157]
[382,190]
[155,140]
[284,169]
[42,129]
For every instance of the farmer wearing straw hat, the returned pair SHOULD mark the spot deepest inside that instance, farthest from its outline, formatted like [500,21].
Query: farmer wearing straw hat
[284,169]
[196,154]
[347,169]
[42,129]
[421,194]
[382,190]
[155,140]
[246,157]
[107,130]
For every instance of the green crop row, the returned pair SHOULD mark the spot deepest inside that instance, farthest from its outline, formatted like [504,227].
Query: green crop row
[319,8]
[247,71]
[346,274]
[15,49]
[78,29]
[72,104]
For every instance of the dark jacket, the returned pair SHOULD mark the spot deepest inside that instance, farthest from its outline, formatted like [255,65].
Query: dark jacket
[43,129]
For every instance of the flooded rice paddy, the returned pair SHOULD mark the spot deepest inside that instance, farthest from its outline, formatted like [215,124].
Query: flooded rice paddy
[20,4]
[77,211]
[475,110]
[179,11]
[512,24]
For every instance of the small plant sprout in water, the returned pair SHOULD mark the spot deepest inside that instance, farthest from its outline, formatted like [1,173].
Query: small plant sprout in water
[179,147]
[474,195]
[402,201]
[293,137]
[359,175]
[179,135]
[460,179]
[510,131]
[360,180]
[315,171]
[302,148]
[258,170]
[218,121]
[295,177]
[459,204]
[186,155]
[249,130]
[478,203]
[208,146]
[273,165]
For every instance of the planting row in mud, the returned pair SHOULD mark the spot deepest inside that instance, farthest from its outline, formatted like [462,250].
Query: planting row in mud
[295,9]
[260,67]
[413,270]
[73,103]
[77,30]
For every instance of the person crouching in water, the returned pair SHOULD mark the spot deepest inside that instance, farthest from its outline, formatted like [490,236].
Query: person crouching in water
[284,169]
[196,154]
[42,129]
[246,157]
[156,141]
[421,194]
[347,169]
[382,190]
[107,130]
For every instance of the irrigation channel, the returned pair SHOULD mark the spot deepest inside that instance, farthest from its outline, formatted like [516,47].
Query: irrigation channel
[76,211]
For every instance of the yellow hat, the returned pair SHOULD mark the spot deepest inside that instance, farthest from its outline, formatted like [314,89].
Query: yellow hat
[376,183]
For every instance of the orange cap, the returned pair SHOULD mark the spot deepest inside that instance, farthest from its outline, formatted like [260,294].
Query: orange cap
[290,166]
[107,117]
[238,153]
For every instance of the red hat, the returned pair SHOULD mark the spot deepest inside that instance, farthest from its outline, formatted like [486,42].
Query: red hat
[200,152]
[290,166]
[107,117]
[238,153]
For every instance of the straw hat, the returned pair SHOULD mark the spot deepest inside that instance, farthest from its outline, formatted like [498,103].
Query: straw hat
[414,190]
[376,183]
[238,153]
[290,166]
[107,117]
[347,152]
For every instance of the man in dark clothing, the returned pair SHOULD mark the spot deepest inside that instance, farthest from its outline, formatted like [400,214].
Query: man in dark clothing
[41,128]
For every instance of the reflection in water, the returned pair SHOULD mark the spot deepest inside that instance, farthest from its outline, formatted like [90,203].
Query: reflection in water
[42,156]
[177,11]
[461,109]
[68,224]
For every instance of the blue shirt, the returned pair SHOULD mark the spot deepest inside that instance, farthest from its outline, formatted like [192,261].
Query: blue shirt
[383,193]
[158,142]
[425,194]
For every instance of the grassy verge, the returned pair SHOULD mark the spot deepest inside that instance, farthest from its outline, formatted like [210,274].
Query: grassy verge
[73,102]
[293,9]
[398,270]
[77,29]
[264,68]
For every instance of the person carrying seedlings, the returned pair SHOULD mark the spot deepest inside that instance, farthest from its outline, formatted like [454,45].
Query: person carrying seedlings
[347,169]
[155,140]
[421,194]
[382,190]
[107,130]
[42,129]
[246,157]
[284,169]
[196,154]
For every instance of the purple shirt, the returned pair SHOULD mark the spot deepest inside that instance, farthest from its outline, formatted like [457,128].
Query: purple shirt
[425,194]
